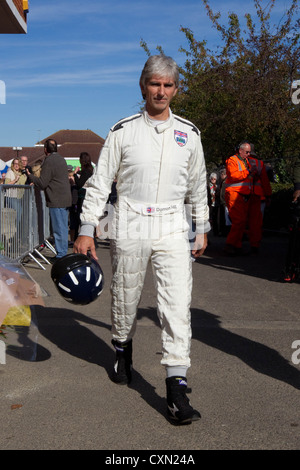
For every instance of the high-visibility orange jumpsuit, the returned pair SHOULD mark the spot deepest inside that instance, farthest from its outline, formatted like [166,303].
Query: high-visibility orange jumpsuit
[243,196]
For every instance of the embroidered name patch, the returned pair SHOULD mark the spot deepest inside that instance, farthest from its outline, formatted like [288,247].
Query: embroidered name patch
[180,138]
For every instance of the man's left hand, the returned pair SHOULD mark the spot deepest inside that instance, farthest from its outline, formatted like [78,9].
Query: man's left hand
[200,245]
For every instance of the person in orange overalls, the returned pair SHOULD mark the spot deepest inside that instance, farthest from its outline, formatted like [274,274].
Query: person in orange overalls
[245,179]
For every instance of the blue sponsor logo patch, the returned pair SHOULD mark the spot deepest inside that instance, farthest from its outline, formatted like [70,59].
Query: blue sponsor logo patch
[181,138]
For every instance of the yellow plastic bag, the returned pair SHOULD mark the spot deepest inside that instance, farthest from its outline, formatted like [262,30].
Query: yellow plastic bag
[18,291]
[18,316]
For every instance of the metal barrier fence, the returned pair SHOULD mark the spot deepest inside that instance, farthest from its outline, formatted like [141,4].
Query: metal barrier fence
[24,222]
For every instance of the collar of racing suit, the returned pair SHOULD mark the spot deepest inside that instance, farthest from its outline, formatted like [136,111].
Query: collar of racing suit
[159,127]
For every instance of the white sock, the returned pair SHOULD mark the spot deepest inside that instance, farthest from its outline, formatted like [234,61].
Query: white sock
[178,371]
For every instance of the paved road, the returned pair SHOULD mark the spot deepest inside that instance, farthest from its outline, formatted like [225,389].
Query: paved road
[243,377]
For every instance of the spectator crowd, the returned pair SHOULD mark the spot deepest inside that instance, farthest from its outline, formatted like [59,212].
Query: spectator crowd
[237,192]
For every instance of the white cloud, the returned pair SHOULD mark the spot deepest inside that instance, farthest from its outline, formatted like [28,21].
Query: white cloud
[114,75]
[64,51]
[62,10]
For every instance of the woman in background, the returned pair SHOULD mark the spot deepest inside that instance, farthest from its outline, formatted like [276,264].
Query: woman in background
[79,178]
[15,175]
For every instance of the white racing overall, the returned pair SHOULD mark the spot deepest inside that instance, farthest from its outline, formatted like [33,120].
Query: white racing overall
[158,169]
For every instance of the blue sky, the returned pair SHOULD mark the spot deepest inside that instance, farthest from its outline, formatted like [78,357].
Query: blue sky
[79,64]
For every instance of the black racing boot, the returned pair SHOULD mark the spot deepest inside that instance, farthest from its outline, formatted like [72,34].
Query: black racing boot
[179,408]
[123,362]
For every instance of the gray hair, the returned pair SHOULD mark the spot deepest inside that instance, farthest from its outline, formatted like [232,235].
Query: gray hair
[243,144]
[160,65]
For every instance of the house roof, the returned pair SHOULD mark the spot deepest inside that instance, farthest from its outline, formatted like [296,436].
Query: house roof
[67,135]
[70,145]
[13,18]
[73,150]
[33,153]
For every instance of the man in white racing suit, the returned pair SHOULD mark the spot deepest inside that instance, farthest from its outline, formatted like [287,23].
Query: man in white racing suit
[158,161]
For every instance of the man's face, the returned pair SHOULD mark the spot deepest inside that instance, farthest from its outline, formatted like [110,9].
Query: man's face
[245,151]
[24,161]
[159,92]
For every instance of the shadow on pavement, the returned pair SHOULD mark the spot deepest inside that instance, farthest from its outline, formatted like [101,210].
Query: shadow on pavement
[65,328]
[269,264]
[259,357]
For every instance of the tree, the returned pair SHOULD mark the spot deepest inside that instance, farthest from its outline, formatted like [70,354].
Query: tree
[242,90]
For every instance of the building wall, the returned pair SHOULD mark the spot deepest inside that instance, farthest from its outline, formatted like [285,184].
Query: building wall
[13,19]
[19,6]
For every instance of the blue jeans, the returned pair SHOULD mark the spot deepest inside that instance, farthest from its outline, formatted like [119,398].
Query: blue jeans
[59,220]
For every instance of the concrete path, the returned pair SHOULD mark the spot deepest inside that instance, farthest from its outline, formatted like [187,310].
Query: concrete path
[245,374]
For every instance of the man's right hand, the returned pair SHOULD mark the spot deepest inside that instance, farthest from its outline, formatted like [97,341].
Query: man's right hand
[83,244]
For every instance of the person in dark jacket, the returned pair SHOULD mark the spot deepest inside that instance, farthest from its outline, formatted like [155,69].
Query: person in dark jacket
[54,182]
[24,160]
[80,177]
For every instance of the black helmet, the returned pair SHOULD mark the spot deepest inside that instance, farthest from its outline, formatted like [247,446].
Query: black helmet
[78,278]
